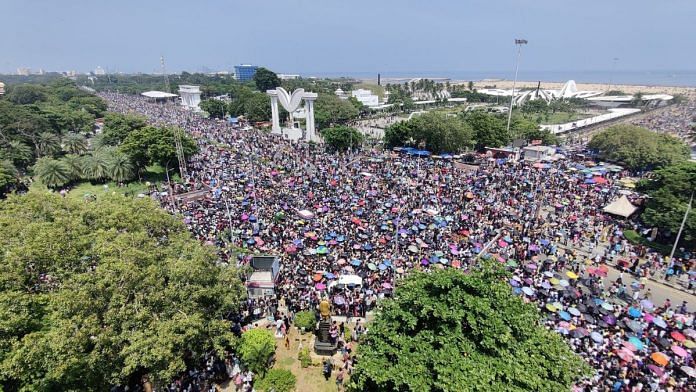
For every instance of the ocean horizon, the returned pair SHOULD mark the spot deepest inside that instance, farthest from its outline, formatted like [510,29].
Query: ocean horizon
[673,78]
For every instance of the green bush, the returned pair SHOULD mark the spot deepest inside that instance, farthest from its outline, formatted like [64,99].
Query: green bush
[256,348]
[304,357]
[305,319]
[277,380]
[347,334]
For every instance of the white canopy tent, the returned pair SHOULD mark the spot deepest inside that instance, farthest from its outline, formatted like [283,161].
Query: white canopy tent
[621,207]
[158,94]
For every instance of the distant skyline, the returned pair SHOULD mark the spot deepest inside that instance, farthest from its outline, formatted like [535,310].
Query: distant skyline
[348,37]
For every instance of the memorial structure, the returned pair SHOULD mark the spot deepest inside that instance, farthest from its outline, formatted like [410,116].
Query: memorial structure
[190,96]
[291,102]
[323,344]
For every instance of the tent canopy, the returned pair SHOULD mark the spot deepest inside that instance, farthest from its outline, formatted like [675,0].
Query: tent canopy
[158,94]
[621,207]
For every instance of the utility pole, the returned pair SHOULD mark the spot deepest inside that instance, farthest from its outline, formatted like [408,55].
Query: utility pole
[519,43]
[681,228]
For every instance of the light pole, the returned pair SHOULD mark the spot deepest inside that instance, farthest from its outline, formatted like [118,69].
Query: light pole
[611,75]
[681,228]
[519,43]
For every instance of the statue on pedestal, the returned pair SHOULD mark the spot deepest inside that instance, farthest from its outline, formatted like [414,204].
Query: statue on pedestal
[323,344]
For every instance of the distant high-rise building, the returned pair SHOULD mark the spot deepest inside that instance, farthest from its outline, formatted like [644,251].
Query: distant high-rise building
[244,72]
[99,71]
[2,88]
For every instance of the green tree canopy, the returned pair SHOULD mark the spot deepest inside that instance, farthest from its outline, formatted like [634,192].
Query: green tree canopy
[93,294]
[670,189]
[451,331]
[118,126]
[52,172]
[330,110]
[266,79]
[254,105]
[256,348]
[638,148]
[153,145]
[341,138]
[214,107]
[436,131]
[489,129]
[528,130]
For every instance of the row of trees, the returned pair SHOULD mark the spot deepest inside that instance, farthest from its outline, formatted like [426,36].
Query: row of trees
[43,121]
[440,132]
[639,148]
[96,294]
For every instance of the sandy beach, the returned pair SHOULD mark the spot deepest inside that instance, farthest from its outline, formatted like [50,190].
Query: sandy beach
[628,89]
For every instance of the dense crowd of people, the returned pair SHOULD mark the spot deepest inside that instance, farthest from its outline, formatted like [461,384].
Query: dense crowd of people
[377,215]
[676,120]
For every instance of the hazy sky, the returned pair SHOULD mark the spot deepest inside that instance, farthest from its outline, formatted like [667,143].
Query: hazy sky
[334,36]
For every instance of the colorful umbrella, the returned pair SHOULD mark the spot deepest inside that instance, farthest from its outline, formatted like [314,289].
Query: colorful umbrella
[660,358]
[637,343]
[320,286]
[689,371]
[597,337]
[633,312]
[676,335]
[679,351]
[528,291]
[564,315]
[658,372]
[571,275]
[575,312]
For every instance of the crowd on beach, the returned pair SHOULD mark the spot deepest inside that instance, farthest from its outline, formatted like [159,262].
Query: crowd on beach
[676,120]
[380,214]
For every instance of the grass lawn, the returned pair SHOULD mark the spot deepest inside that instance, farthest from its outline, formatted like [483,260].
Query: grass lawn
[153,174]
[309,379]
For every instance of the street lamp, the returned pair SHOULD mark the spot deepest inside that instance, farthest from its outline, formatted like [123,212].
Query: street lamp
[611,75]
[519,43]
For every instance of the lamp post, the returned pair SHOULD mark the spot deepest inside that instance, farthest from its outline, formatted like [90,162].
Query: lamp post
[519,43]
[681,228]
[611,75]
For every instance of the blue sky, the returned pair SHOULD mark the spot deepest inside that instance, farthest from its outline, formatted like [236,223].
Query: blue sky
[342,36]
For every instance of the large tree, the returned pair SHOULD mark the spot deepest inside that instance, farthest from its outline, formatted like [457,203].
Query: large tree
[489,129]
[214,107]
[452,331]
[52,172]
[341,138]
[670,189]
[118,126]
[153,145]
[638,148]
[436,131]
[266,79]
[330,110]
[94,294]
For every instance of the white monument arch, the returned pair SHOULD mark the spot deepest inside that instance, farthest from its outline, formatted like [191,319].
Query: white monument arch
[291,102]
[190,96]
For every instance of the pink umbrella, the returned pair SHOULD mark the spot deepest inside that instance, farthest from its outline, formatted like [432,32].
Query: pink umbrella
[629,346]
[386,285]
[648,317]
[245,217]
[625,355]
[679,351]
[502,244]
[320,286]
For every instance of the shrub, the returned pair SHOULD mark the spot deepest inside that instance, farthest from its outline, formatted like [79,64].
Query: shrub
[306,319]
[277,380]
[305,358]
[256,348]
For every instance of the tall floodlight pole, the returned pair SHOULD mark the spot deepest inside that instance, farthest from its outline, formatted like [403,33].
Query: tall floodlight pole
[681,228]
[611,75]
[519,43]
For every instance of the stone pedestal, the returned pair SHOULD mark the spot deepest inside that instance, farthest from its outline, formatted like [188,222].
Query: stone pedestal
[322,344]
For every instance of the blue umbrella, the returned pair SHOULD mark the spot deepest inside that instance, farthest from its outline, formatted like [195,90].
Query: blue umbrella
[355,262]
[633,312]
[252,218]
[421,226]
[516,291]
[637,343]
[329,275]
[544,242]
[386,262]
[367,247]
[564,315]
[250,241]
[340,238]
[596,337]
[514,283]
[528,291]
[382,267]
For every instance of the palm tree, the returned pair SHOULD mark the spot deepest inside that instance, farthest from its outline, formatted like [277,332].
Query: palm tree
[74,143]
[47,144]
[51,172]
[8,174]
[18,152]
[96,165]
[120,167]
[74,164]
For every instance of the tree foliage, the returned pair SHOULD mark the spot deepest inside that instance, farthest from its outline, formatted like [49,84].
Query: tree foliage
[254,105]
[670,189]
[94,293]
[266,79]
[489,129]
[277,380]
[330,110]
[451,331]
[155,145]
[341,138]
[305,319]
[256,348]
[436,131]
[118,126]
[214,107]
[638,148]
[52,172]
